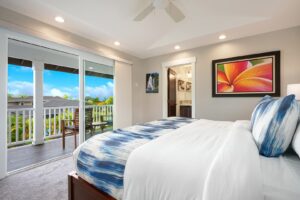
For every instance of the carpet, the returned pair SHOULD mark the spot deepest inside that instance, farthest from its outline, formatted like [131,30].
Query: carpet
[47,182]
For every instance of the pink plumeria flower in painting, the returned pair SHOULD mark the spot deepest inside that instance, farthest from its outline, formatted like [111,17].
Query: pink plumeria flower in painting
[245,76]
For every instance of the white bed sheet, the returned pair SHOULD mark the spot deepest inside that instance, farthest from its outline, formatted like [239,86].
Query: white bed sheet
[281,177]
[205,160]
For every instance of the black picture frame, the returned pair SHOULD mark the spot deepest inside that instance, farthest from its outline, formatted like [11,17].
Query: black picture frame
[152,85]
[275,81]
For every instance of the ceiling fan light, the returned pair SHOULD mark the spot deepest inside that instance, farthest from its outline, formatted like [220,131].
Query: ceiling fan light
[222,37]
[161,4]
[59,19]
[177,47]
[171,9]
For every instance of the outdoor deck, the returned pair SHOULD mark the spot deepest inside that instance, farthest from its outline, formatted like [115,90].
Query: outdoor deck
[21,128]
[27,155]
[24,156]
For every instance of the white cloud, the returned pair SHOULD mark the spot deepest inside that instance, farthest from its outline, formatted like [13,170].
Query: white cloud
[47,73]
[25,69]
[102,91]
[58,93]
[17,88]
[110,84]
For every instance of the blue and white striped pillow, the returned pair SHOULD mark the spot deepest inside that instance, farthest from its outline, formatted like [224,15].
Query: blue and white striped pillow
[273,124]
[296,141]
[296,138]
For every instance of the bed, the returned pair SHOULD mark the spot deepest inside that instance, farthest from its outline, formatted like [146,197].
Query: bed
[179,158]
[281,177]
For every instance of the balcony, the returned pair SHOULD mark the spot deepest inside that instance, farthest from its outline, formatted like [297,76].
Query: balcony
[22,152]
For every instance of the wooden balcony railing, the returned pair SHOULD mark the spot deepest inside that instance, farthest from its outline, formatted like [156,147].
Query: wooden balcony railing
[20,122]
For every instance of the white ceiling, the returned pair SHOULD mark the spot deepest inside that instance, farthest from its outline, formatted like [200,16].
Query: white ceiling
[106,21]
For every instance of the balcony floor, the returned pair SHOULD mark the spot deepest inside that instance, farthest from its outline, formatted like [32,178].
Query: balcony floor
[24,156]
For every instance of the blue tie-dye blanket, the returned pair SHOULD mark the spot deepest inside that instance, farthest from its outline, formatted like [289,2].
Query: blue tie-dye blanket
[101,160]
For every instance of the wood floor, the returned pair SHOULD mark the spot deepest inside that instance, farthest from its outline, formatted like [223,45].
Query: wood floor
[24,156]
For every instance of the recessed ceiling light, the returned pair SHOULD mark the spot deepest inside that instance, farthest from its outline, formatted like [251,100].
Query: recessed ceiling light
[177,47]
[59,19]
[91,67]
[222,37]
[117,43]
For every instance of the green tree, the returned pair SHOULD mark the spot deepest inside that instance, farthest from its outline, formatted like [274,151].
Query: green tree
[66,96]
[10,96]
[23,96]
[109,100]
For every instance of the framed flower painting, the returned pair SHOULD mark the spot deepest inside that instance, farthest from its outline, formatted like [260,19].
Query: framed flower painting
[247,76]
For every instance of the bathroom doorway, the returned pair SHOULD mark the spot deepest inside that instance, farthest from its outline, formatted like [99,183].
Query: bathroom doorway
[179,88]
[180,91]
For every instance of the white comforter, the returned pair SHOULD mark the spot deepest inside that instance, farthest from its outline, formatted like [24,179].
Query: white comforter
[205,160]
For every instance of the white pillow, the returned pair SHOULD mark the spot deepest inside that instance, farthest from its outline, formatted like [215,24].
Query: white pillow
[296,141]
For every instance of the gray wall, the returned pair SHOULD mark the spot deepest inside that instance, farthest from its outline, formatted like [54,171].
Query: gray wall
[149,106]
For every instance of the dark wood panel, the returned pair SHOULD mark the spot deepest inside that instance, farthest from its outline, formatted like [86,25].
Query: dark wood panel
[20,62]
[171,93]
[186,111]
[79,189]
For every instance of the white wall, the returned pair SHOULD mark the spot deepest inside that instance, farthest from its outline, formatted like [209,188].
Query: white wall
[287,41]
[123,98]
[138,92]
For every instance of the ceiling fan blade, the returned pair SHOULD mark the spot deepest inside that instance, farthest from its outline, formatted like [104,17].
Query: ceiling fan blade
[174,12]
[144,13]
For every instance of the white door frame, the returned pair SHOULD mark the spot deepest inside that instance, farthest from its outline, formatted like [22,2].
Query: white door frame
[165,66]
[81,74]
[3,103]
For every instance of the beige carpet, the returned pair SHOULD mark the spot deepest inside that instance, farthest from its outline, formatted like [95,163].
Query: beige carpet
[47,182]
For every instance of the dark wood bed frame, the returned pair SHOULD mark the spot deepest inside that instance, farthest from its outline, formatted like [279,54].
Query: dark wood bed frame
[79,189]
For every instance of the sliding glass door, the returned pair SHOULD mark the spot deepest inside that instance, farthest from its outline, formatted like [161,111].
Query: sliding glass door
[43,96]
[45,86]
[99,98]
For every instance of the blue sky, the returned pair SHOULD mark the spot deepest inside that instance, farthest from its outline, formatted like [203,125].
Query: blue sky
[20,82]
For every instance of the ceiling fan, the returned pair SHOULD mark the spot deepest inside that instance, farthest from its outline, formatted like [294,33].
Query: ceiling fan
[171,9]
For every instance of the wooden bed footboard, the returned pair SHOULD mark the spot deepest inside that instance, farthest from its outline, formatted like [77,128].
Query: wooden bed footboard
[79,189]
